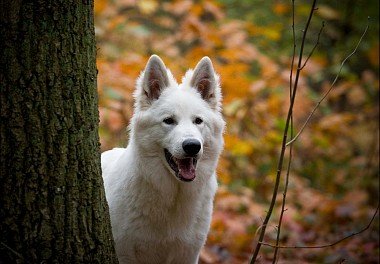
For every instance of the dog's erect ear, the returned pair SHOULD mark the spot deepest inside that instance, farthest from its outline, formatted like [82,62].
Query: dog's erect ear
[205,81]
[155,78]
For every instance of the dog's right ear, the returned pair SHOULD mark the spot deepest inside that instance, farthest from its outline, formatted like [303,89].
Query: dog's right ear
[153,80]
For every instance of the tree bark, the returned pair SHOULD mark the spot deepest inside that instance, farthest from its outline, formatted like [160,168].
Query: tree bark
[52,201]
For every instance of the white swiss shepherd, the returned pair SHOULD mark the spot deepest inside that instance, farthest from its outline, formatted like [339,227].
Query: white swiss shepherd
[160,189]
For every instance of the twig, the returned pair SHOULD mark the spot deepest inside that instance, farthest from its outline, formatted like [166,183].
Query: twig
[284,194]
[331,244]
[331,86]
[315,46]
[13,251]
[276,251]
[284,140]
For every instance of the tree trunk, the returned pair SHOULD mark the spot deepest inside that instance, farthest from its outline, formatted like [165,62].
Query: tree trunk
[52,202]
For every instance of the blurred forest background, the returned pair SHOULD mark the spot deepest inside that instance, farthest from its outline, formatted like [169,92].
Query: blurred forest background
[334,184]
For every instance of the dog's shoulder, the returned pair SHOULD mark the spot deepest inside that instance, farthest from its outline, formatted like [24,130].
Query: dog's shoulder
[110,156]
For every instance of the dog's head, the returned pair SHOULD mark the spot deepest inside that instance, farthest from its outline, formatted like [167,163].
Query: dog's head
[180,123]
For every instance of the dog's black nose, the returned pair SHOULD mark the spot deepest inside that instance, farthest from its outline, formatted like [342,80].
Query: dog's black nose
[191,146]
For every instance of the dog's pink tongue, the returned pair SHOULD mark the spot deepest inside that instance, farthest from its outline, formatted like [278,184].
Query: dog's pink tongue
[186,168]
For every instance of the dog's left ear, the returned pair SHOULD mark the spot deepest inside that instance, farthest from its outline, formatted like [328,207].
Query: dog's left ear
[206,82]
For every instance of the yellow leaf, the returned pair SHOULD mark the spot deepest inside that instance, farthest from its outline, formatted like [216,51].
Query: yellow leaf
[196,9]
[238,146]
[327,12]
[147,6]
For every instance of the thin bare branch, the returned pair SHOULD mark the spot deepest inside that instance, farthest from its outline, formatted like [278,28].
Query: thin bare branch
[276,251]
[284,194]
[315,46]
[284,139]
[293,54]
[331,87]
[331,244]
[13,251]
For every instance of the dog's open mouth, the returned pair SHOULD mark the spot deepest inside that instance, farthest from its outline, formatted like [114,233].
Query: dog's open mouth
[184,168]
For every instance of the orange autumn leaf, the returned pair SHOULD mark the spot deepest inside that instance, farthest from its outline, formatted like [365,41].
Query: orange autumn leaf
[281,8]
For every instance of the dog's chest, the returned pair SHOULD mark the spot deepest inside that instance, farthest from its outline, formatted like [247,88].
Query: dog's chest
[174,215]
[164,231]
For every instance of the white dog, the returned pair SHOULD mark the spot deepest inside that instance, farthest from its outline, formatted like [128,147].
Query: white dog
[160,188]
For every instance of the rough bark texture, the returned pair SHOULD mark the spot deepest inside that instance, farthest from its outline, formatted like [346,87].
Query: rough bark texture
[52,201]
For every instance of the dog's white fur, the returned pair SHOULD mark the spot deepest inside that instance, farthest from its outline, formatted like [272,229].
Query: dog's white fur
[157,218]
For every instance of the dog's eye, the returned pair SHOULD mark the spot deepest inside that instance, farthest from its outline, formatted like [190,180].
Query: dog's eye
[169,121]
[198,121]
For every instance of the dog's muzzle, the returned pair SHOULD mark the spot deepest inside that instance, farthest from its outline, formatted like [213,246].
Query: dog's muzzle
[184,169]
